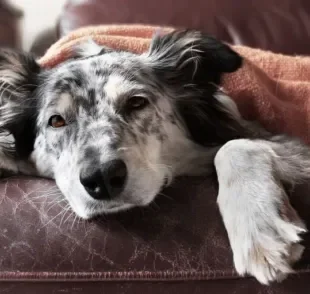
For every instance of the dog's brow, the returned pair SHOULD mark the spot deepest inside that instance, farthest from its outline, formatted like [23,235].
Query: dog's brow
[116,86]
[64,103]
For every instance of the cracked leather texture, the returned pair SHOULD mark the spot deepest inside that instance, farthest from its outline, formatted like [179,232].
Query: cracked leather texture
[181,237]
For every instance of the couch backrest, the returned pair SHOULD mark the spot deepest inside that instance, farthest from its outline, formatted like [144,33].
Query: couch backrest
[277,25]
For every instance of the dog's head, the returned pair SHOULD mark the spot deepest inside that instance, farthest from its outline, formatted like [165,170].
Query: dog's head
[113,127]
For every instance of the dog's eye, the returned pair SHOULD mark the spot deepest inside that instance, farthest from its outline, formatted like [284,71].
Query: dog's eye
[136,103]
[57,121]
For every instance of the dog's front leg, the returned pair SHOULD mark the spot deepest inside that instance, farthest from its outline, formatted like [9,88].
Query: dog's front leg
[10,166]
[262,226]
[7,165]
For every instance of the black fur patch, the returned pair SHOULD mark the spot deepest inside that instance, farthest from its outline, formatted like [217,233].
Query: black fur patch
[192,64]
[22,124]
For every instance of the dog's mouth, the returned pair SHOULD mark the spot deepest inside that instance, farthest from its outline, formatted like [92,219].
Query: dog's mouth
[113,208]
[110,209]
[99,208]
[119,206]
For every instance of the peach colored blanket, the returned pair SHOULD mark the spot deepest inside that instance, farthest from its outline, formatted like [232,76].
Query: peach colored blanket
[273,89]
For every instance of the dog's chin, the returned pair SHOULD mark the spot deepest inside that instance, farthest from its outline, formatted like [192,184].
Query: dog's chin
[90,213]
[115,208]
[96,208]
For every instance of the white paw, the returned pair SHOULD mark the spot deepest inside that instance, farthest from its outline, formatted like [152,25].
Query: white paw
[263,228]
[269,252]
[264,231]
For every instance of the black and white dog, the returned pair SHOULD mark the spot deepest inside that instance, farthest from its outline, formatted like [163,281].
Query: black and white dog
[113,128]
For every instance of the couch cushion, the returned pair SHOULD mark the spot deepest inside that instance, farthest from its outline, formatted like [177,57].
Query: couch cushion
[9,17]
[278,25]
[180,237]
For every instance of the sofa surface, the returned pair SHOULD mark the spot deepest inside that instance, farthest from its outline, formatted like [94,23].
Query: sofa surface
[9,17]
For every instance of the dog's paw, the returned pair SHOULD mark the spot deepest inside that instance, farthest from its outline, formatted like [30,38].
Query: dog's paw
[264,231]
[269,251]
[263,228]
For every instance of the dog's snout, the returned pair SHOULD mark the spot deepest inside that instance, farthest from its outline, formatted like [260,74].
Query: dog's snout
[106,182]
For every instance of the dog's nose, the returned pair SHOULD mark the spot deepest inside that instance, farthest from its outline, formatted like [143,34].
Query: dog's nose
[107,182]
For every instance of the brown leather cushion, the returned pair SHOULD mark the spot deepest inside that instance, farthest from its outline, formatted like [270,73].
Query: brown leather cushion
[8,25]
[180,237]
[278,25]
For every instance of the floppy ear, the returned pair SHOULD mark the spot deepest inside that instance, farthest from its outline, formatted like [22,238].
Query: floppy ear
[192,55]
[191,64]
[18,104]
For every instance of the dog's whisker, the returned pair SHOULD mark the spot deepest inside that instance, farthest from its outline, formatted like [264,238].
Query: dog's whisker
[66,210]
[166,196]
[50,195]
[57,203]
[48,202]
[51,220]
[155,204]
[70,215]
[47,195]
[72,225]
[40,197]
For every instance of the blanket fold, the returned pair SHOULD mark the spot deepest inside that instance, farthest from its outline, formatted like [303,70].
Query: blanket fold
[271,88]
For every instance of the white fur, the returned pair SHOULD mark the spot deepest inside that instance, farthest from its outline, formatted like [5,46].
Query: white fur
[264,242]
[64,103]
[88,48]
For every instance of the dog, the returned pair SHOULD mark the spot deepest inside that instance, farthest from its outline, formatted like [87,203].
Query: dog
[113,128]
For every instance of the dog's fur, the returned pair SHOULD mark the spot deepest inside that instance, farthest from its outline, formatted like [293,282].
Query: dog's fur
[186,126]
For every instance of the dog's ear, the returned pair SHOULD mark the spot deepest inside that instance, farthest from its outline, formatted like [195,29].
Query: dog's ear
[192,57]
[191,64]
[18,104]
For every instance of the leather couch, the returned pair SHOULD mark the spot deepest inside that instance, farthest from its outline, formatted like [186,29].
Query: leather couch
[179,243]
[9,17]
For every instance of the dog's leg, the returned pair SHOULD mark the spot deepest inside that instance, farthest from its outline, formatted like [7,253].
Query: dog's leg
[7,168]
[9,165]
[263,228]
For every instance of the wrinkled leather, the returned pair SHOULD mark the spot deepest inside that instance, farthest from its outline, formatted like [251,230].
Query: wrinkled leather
[180,237]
